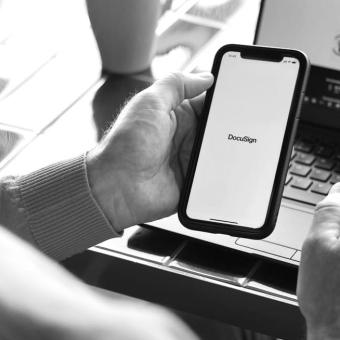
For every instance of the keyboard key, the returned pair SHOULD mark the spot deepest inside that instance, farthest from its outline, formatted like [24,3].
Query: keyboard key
[300,170]
[321,188]
[337,168]
[288,179]
[320,175]
[301,183]
[302,196]
[305,158]
[303,146]
[324,163]
[323,151]
[293,155]
[335,179]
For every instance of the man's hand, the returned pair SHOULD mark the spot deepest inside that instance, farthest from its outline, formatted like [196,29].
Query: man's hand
[136,172]
[40,300]
[319,276]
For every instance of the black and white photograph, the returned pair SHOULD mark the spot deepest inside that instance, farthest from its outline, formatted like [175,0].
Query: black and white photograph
[169,170]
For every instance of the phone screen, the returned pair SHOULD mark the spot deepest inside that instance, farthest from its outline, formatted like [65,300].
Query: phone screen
[242,141]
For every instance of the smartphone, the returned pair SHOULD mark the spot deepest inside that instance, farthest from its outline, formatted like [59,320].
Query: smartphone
[244,141]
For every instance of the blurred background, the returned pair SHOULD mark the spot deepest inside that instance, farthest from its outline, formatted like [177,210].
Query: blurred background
[32,32]
[49,61]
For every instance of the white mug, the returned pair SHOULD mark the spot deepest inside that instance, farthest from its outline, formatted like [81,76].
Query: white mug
[125,32]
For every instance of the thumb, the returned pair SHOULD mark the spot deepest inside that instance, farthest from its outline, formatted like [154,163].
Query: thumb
[176,87]
[327,215]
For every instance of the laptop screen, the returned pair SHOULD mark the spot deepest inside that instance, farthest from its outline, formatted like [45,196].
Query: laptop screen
[312,26]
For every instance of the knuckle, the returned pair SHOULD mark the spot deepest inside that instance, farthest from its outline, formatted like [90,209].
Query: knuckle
[149,99]
[171,88]
[176,77]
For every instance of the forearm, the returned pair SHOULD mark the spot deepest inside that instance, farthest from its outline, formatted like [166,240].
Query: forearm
[54,209]
[40,300]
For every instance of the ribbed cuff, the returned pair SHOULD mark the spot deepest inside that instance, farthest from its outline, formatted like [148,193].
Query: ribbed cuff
[61,211]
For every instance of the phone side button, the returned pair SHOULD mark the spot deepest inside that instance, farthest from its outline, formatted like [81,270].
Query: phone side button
[266,247]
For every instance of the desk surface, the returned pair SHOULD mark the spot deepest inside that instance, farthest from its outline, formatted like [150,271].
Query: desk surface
[55,103]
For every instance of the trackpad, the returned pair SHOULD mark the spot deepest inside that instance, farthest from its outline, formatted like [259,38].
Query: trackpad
[291,228]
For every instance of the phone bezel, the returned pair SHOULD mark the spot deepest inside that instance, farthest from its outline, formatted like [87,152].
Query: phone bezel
[263,53]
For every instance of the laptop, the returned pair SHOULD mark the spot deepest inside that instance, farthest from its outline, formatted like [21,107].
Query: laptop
[313,27]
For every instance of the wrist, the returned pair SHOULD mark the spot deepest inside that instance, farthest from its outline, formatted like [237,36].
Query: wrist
[12,215]
[106,185]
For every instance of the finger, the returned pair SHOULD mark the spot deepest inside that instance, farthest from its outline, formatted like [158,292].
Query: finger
[326,221]
[335,189]
[332,199]
[176,87]
[197,104]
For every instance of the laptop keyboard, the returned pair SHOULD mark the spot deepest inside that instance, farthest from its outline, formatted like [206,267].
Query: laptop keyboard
[314,168]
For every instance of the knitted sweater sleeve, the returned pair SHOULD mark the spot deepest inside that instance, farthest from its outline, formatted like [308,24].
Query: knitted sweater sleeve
[54,209]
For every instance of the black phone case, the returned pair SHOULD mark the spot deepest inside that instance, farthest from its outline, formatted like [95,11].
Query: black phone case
[262,53]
